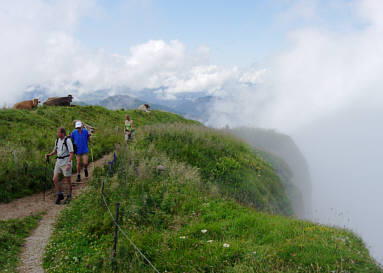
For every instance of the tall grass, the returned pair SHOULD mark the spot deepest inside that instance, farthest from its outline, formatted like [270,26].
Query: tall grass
[236,169]
[12,236]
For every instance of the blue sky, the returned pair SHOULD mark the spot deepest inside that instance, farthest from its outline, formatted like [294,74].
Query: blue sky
[238,32]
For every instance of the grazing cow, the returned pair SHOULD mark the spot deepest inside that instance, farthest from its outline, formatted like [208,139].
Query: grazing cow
[27,104]
[59,101]
[144,107]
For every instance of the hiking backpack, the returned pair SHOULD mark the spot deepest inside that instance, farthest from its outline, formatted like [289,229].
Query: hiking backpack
[66,145]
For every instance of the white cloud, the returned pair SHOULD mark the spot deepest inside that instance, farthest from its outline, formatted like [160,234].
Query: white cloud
[320,73]
[40,48]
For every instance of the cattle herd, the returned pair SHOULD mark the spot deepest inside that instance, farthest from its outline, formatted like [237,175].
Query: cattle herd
[59,101]
[55,101]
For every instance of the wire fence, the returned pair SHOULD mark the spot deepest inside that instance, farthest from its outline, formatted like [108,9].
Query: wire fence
[115,219]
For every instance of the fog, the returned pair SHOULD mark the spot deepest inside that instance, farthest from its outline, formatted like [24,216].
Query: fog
[326,91]
[345,156]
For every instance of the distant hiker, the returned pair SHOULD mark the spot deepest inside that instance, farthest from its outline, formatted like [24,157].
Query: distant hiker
[144,107]
[128,129]
[64,150]
[80,137]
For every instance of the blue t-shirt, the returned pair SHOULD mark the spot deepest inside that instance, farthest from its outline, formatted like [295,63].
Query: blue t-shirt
[81,140]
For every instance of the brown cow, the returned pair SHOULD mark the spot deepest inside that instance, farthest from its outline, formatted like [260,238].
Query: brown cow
[27,104]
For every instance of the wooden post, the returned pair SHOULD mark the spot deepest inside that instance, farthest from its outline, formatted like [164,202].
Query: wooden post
[110,171]
[102,192]
[15,156]
[115,230]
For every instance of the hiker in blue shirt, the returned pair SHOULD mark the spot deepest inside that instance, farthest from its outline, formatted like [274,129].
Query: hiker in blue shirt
[80,137]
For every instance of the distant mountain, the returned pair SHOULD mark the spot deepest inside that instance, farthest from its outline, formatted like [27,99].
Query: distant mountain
[193,105]
[196,108]
[128,102]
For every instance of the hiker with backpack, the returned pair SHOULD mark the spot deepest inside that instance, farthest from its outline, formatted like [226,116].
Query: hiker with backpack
[81,138]
[128,129]
[64,150]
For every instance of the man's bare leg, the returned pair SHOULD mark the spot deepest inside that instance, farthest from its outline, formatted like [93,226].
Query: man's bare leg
[85,163]
[56,182]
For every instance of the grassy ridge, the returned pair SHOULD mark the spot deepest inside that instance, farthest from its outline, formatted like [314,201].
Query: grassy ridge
[31,134]
[12,235]
[223,161]
[181,222]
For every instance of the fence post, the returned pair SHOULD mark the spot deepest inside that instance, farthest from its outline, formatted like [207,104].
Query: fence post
[116,230]
[15,156]
[110,170]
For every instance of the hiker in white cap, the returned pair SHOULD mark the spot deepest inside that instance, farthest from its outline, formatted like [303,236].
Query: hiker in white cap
[80,137]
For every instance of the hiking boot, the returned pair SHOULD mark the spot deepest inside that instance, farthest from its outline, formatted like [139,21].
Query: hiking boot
[78,178]
[68,199]
[59,198]
[86,172]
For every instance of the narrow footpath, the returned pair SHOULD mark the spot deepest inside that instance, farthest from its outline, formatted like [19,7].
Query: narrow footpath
[33,250]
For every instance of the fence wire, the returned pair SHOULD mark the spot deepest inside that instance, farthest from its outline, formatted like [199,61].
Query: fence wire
[126,236]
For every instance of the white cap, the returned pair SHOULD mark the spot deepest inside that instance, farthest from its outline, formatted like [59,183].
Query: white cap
[78,124]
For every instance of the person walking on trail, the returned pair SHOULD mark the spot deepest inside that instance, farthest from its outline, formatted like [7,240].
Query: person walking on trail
[81,138]
[64,150]
[128,129]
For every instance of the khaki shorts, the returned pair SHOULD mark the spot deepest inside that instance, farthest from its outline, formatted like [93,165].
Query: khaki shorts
[62,169]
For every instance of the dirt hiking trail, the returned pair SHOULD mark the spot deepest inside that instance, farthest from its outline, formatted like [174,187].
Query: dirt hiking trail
[33,250]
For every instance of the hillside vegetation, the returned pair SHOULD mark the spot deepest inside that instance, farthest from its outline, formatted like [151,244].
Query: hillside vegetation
[213,209]
[12,237]
[280,146]
[25,136]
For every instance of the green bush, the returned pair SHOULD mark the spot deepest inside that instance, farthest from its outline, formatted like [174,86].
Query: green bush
[12,235]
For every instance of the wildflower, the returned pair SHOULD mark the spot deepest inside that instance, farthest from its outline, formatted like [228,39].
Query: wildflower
[255,252]
[226,245]
[204,230]
[182,237]
[210,241]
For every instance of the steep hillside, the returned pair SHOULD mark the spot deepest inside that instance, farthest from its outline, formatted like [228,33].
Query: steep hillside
[25,136]
[197,215]
[223,161]
[283,146]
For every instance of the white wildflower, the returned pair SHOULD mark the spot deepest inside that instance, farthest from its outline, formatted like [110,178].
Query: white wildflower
[226,245]
[204,230]
[182,237]
[210,241]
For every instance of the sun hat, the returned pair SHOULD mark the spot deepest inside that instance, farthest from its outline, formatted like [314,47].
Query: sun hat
[78,124]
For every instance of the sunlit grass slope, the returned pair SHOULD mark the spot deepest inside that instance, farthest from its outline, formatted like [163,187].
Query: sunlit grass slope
[196,216]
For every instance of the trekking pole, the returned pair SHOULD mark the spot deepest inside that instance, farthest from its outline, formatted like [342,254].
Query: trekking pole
[45,180]
[91,151]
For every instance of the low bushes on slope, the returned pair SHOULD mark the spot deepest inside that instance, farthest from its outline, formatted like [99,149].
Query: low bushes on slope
[25,136]
[224,161]
[181,224]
